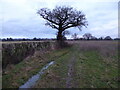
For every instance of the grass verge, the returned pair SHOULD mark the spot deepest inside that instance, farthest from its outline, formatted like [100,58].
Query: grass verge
[93,72]
[20,73]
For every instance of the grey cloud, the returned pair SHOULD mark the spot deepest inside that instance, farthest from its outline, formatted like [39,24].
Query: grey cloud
[20,19]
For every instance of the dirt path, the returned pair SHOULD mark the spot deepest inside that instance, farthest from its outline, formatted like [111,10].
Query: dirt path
[71,71]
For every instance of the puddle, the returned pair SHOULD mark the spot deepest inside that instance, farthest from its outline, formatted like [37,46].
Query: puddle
[32,81]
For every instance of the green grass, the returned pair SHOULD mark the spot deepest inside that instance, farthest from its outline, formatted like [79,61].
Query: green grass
[94,73]
[56,75]
[21,72]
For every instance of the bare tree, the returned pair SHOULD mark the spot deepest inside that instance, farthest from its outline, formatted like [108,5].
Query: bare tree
[65,33]
[101,38]
[107,38]
[74,36]
[93,38]
[87,36]
[62,18]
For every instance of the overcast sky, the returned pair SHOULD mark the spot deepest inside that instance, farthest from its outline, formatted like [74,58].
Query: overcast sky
[18,18]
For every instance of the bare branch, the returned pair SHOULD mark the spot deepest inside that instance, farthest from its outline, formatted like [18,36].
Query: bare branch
[52,25]
[47,15]
[63,17]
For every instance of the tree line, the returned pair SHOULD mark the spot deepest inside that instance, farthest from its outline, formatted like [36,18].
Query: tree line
[74,37]
[88,36]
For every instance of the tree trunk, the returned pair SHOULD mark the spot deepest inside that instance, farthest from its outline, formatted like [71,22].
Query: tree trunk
[59,36]
[60,40]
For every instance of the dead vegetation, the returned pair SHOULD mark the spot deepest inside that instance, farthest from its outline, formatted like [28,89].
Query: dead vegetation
[13,53]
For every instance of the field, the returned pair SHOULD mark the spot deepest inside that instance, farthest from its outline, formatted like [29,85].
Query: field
[86,64]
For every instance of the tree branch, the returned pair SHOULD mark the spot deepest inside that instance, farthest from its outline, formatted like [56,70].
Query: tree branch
[51,25]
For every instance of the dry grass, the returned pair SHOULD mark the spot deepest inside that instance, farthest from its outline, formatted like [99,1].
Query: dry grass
[8,42]
[14,52]
[105,48]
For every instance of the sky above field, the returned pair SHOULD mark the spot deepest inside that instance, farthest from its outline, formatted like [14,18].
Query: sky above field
[18,18]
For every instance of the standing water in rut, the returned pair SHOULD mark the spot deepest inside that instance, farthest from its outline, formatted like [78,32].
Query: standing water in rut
[32,81]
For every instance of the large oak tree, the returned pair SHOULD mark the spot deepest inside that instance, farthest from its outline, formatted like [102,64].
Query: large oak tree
[62,18]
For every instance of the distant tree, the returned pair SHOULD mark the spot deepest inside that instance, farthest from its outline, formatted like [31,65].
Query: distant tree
[107,38]
[101,38]
[116,38]
[87,36]
[93,38]
[23,39]
[65,33]
[81,38]
[62,18]
[9,39]
[4,39]
[34,38]
[75,36]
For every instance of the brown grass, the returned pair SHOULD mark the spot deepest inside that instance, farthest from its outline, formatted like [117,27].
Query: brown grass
[105,48]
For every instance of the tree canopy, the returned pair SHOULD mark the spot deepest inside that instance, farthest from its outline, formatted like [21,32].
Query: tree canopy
[62,18]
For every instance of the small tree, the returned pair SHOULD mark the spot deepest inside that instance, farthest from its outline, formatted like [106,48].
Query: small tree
[74,36]
[65,33]
[101,38]
[107,38]
[10,39]
[62,18]
[34,38]
[93,38]
[87,36]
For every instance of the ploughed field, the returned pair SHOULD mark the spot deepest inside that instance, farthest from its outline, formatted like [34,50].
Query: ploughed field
[86,64]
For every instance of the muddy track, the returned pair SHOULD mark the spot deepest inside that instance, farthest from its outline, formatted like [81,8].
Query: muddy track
[71,71]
